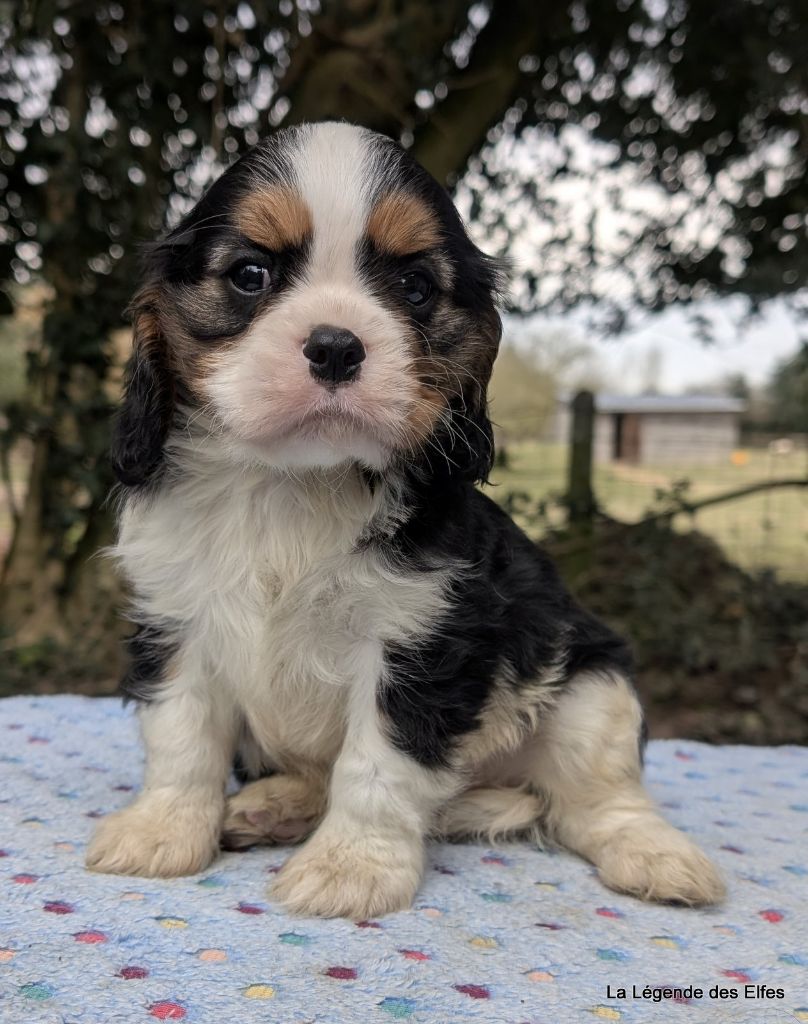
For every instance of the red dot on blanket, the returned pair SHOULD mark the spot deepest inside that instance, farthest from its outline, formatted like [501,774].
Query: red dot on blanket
[341,973]
[91,938]
[414,954]
[131,973]
[58,907]
[475,991]
[25,879]
[167,1011]
[773,916]
[249,908]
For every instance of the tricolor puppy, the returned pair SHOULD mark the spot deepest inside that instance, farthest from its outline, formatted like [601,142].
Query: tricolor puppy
[322,596]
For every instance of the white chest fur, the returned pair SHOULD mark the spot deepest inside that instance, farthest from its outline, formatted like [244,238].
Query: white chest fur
[260,579]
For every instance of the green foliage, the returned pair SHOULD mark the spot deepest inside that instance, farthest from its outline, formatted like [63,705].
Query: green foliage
[12,362]
[722,655]
[522,395]
[788,393]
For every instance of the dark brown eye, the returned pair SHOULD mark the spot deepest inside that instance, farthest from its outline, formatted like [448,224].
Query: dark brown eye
[417,288]
[249,277]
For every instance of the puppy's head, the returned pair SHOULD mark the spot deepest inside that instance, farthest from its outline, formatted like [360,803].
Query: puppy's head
[321,304]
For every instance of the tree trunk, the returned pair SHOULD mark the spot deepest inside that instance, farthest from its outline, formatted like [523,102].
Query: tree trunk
[47,602]
[481,93]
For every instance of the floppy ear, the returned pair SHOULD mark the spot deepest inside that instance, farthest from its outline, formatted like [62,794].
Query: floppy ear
[470,436]
[472,446]
[145,414]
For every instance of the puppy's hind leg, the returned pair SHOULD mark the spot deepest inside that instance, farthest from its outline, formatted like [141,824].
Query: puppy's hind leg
[277,809]
[587,763]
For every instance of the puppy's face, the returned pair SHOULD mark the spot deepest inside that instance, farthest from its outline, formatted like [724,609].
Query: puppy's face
[321,304]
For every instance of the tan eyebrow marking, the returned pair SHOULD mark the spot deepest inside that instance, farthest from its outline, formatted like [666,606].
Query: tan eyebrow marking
[402,224]
[276,218]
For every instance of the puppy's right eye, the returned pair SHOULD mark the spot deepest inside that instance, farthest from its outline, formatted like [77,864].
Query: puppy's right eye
[249,277]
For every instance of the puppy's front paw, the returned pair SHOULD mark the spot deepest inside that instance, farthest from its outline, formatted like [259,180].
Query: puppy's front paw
[156,837]
[357,877]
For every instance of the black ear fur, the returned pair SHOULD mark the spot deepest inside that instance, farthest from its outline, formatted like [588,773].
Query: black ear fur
[147,409]
[471,435]
[466,440]
[469,442]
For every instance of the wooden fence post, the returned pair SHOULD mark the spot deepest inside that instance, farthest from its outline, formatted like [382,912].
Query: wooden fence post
[580,496]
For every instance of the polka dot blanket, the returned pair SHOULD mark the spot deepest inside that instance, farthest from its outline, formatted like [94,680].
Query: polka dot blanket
[511,934]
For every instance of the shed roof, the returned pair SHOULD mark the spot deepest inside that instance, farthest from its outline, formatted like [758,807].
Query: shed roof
[683,404]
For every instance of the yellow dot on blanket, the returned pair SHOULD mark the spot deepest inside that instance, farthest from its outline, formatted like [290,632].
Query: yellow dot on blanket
[66,847]
[259,992]
[540,976]
[483,942]
[431,911]
[172,922]
[6,955]
[132,896]
[801,1013]
[606,1012]
[665,941]
[212,955]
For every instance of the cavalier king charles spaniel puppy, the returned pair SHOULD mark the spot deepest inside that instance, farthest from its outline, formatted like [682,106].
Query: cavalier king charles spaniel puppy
[323,598]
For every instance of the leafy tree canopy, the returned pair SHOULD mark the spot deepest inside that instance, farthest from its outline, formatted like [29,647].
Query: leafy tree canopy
[634,152]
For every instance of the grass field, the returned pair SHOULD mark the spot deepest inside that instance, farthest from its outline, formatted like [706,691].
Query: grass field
[763,531]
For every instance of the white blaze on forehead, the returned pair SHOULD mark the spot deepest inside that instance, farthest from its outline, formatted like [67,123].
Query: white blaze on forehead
[334,168]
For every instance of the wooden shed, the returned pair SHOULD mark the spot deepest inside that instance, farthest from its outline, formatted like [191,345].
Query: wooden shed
[658,429]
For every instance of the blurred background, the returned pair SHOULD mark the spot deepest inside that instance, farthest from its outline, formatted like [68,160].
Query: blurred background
[644,164]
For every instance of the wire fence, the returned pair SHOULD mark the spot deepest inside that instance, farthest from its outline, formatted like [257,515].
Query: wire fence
[764,527]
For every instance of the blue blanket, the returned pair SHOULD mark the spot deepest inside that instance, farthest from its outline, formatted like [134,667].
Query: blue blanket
[511,935]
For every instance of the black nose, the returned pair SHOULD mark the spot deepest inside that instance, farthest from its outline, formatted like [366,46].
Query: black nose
[334,354]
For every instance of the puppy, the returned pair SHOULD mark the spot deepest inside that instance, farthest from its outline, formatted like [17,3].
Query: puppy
[321,594]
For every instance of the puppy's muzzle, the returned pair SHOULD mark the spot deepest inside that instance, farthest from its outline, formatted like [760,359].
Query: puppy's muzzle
[334,354]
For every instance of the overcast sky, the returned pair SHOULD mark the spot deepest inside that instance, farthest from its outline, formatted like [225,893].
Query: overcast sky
[687,362]
[684,361]
[605,205]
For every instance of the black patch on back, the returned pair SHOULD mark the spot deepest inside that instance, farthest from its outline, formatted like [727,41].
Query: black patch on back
[510,619]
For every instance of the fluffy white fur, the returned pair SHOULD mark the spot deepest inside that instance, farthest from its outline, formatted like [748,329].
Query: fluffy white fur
[283,625]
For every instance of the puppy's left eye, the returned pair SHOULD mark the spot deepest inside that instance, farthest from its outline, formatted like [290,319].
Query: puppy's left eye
[249,277]
[417,288]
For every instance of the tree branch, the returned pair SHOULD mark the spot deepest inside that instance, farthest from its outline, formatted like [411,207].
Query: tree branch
[480,93]
[691,507]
